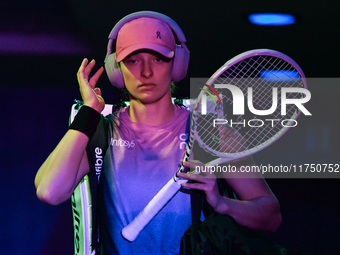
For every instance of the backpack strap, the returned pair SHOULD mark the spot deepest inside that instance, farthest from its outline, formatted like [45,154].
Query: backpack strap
[96,151]
[84,202]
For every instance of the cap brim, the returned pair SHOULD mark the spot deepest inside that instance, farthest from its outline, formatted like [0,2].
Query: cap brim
[151,46]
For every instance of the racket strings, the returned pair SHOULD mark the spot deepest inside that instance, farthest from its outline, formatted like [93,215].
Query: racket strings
[284,75]
[262,92]
[263,87]
[222,138]
[250,130]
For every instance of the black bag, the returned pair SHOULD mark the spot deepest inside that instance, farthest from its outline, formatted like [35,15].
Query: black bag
[220,234]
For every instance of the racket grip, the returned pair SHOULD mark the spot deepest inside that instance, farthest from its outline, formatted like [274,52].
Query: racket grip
[131,231]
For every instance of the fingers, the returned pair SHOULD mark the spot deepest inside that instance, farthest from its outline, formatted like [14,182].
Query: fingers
[199,177]
[84,73]
[89,67]
[91,95]
[197,166]
[95,77]
[81,71]
[205,181]
[98,91]
[193,176]
[194,165]
[199,182]
[189,176]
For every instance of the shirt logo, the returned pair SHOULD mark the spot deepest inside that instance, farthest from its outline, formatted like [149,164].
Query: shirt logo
[123,143]
[183,144]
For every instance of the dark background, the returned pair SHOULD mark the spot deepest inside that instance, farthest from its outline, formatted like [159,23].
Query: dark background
[42,44]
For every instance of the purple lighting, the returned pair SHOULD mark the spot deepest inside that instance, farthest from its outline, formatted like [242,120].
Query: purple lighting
[41,44]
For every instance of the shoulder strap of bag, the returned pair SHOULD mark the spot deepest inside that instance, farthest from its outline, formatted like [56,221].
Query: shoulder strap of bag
[86,233]
[96,151]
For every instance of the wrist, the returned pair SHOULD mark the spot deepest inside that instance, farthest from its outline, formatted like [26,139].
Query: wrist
[222,205]
[95,106]
[86,121]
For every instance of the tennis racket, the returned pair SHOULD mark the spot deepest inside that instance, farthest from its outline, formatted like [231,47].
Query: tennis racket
[266,72]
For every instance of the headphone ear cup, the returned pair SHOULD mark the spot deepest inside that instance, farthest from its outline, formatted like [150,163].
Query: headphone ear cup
[180,65]
[113,71]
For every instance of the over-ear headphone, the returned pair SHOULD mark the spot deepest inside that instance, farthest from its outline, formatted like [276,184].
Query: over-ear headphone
[180,61]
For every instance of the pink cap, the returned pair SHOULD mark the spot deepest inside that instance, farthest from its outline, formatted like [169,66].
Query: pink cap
[145,33]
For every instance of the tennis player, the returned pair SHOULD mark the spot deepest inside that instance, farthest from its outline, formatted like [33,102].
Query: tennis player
[145,150]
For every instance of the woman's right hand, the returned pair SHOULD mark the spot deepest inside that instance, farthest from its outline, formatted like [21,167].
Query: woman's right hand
[91,95]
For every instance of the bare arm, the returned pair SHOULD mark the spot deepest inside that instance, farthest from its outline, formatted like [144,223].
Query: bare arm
[256,207]
[63,169]
[59,175]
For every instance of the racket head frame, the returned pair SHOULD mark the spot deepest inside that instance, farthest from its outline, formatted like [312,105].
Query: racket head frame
[232,62]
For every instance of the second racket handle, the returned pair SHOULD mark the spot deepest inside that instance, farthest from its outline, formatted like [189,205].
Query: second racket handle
[131,231]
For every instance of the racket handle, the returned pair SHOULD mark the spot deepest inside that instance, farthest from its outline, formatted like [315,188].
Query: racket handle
[131,231]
